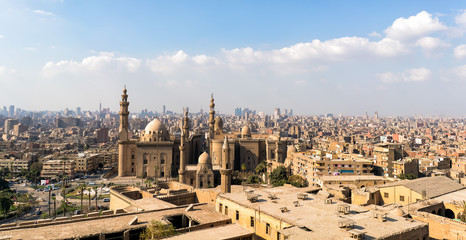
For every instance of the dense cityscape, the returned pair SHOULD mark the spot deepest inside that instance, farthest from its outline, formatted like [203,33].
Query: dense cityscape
[232,120]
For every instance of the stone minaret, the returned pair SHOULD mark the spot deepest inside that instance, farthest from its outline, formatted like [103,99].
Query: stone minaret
[225,171]
[211,117]
[183,155]
[123,134]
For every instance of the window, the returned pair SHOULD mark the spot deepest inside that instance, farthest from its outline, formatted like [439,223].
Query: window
[252,221]
[402,198]
[267,228]
[162,174]
[132,156]
[385,195]
[226,210]
[132,170]
[132,163]
[145,161]
[162,161]
[220,206]
[237,215]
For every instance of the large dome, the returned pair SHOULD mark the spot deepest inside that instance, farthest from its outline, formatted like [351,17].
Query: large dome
[205,158]
[218,122]
[155,126]
[246,131]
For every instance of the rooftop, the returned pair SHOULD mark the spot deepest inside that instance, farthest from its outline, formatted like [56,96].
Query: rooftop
[313,218]
[434,186]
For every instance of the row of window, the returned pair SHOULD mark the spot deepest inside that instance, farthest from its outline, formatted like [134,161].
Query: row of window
[252,220]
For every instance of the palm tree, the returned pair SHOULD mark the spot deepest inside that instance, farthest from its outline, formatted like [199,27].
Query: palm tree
[55,206]
[82,187]
[462,214]
[95,188]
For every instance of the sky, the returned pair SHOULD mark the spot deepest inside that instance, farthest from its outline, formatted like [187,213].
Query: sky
[400,58]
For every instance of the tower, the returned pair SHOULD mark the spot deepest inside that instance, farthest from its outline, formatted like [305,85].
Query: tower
[184,136]
[123,134]
[225,171]
[211,117]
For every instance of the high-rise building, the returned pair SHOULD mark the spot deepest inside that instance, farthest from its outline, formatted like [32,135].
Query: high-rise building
[11,112]
[9,124]
[163,110]
[78,111]
[237,112]
[277,113]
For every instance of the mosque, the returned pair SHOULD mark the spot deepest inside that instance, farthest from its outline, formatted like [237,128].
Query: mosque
[158,154]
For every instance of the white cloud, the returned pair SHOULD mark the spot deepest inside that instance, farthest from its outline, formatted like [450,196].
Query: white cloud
[460,71]
[460,51]
[43,13]
[410,75]
[375,34]
[414,27]
[461,18]
[104,62]
[6,71]
[1,36]
[416,75]
[431,43]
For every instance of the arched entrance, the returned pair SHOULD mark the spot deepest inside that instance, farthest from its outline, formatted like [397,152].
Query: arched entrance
[434,212]
[449,213]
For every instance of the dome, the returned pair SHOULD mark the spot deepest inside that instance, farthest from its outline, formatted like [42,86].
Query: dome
[218,122]
[205,158]
[246,131]
[398,212]
[155,126]
[292,149]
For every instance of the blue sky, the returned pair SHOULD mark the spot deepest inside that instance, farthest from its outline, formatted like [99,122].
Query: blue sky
[316,57]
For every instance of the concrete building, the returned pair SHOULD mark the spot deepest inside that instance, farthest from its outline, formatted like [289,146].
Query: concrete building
[313,165]
[54,168]
[291,213]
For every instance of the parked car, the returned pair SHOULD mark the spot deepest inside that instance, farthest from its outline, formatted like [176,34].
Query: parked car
[106,199]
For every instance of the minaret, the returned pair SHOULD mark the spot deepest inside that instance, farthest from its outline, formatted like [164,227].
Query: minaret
[211,117]
[123,134]
[184,135]
[226,170]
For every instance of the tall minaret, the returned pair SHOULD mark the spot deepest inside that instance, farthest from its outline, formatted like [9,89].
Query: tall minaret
[226,168]
[123,134]
[211,117]
[184,136]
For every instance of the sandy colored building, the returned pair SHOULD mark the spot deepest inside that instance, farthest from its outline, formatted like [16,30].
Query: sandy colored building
[291,213]
[313,165]
[55,168]
[411,191]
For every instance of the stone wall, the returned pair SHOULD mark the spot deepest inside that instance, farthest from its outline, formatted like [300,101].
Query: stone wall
[442,227]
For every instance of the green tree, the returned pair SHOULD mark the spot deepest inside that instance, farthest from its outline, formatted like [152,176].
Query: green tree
[4,184]
[157,230]
[252,179]
[408,176]
[297,181]
[5,205]
[279,176]
[261,167]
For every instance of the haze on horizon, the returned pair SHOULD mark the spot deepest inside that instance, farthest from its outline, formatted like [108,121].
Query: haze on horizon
[349,57]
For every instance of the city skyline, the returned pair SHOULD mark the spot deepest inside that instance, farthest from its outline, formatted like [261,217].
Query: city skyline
[314,58]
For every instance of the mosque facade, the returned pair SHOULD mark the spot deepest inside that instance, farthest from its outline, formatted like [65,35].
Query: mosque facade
[158,154]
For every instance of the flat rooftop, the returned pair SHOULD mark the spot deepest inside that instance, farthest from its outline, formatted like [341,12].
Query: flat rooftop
[352,178]
[106,225]
[320,218]
[228,231]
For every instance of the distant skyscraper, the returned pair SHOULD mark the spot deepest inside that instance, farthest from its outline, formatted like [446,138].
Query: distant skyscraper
[100,107]
[163,110]
[237,112]
[277,113]
[291,113]
[11,111]
[376,115]
[78,111]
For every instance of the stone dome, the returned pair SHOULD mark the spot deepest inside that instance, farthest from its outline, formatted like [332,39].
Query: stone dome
[398,212]
[246,131]
[155,126]
[204,158]
[292,149]
[218,122]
